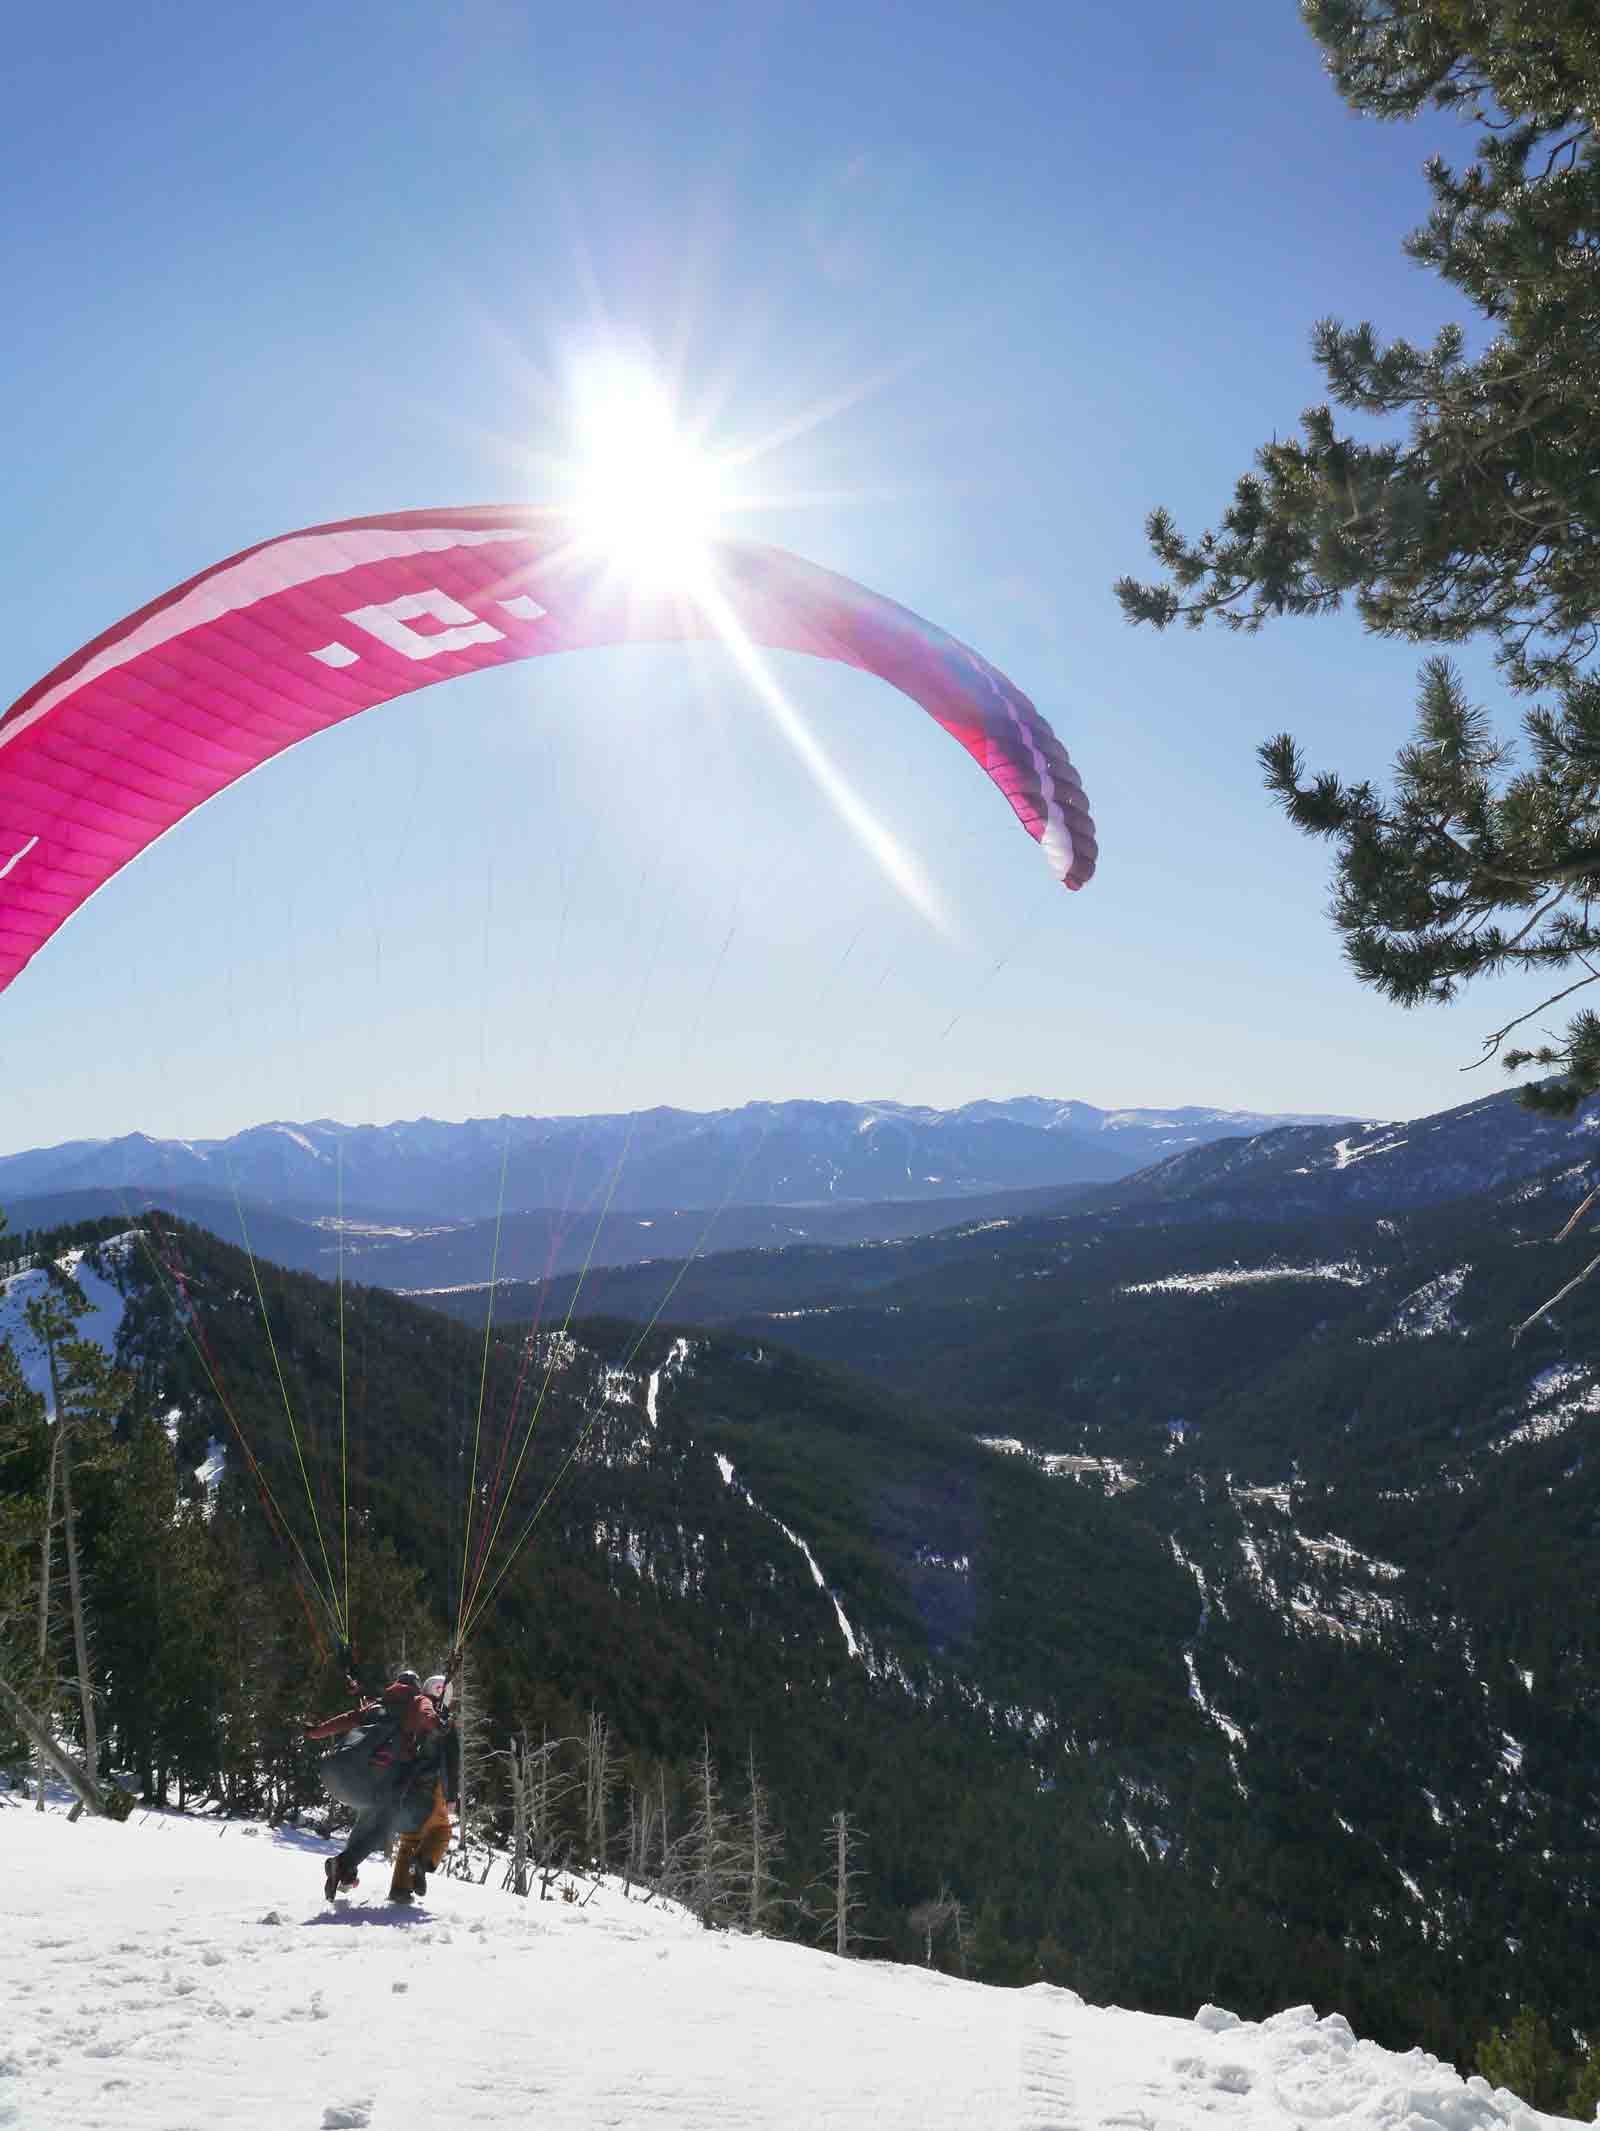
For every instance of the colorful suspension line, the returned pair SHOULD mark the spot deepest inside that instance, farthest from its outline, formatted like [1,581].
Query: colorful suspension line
[340,1616]
[188,1316]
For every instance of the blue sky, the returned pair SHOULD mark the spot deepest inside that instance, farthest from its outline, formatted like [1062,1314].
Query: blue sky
[991,280]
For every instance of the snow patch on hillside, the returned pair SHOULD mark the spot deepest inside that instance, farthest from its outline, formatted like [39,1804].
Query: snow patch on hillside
[1331,1549]
[676,1362]
[730,1479]
[1557,1398]
[1346,1151]
[1427,1311]
[1346,1271]
[1112,1473]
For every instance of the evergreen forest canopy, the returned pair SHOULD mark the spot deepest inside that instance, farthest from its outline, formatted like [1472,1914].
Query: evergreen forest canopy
[1481,521]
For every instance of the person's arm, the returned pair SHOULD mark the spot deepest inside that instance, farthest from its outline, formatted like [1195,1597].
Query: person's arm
[346,1721]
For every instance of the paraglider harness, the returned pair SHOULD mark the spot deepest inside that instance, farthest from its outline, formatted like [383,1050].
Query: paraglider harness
[374,1758]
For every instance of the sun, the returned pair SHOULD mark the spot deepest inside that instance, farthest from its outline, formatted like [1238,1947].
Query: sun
[646,495]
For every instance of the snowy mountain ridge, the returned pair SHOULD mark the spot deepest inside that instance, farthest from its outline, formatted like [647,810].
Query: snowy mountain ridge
[778,1153]
[177,1972]
[1301,1168]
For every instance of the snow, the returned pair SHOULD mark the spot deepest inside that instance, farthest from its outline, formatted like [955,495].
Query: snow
[1345,1151]
[1112,1473]
[101,1322]
[1234,1732]
[677,1360]
[1428,1310]
[288,1132]
[1346,1271]
[1558,1397]
[176,1975]
[1330,1548]
[730,1479]
[210,1473]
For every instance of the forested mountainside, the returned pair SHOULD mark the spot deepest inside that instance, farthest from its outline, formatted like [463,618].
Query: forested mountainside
[1208,1607]
[1385,1506]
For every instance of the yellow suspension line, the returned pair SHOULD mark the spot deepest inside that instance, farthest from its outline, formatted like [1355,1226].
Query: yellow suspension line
[294,1433]
[483,1385]
[471,1605]
[480,1604]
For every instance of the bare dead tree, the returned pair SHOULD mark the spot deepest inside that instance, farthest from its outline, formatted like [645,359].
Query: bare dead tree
[763,1850]
[599,1781]
[464,1715]
[928,1919]
[540,1787]
[713,1855]
[842,1903]
[36,1730]
[517,1872]
[960,1926]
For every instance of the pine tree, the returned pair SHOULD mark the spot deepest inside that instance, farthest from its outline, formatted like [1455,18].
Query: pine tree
[87,1396]
[1484,520]
[1523,2056]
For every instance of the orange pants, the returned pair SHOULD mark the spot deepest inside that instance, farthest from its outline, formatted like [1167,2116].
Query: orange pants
[425,1845]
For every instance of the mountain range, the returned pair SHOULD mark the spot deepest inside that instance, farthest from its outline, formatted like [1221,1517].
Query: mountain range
[761,1154]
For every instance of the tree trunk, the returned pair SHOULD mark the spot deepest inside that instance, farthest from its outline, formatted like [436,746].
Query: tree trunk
[520,1774]
[80,1639]
[44,1561]
[841,1890]
[82,1781]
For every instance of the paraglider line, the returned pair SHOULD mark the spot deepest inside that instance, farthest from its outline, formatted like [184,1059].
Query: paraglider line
[471,1606]
[189,1318]
[483,1373]
[294,1433]
[344,1456]
[481,1602]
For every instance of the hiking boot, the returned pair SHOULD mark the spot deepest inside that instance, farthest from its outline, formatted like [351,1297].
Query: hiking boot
[419,1880]
[337,1874]
[400,1894]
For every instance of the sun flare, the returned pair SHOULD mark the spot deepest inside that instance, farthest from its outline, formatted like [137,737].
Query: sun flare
[647,495]
[649,500]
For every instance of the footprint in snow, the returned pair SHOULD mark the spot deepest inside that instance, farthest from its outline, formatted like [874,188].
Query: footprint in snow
[346,2116]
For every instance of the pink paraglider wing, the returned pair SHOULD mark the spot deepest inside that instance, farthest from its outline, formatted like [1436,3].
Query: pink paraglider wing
[139,727]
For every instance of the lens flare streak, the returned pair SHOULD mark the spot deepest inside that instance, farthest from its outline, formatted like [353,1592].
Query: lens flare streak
[893,860]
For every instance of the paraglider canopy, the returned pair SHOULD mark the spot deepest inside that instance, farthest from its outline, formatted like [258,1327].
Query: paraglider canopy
[172,705]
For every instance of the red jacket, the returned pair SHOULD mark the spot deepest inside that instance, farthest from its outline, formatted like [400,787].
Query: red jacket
[415,1710]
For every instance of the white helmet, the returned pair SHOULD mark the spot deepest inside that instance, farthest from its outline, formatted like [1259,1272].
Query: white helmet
[434,1685]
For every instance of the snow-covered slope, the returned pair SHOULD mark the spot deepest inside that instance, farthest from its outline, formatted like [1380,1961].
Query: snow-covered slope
[177,1975]
[96,1276]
